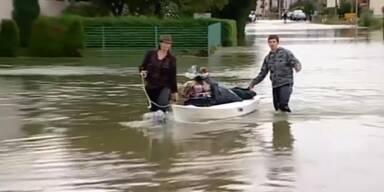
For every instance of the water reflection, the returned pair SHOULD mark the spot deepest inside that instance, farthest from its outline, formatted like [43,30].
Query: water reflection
[282,137]
[10,116]
[185,156]
[281,170]
[309,34]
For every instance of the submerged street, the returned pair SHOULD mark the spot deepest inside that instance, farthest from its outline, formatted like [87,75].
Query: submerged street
[76,125]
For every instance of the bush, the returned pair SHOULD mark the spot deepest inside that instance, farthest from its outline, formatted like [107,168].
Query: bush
[56,37]
[64,36]
[9,38]
[228,32]
[74,39]
[367,19]
[24,13]
[330,11]
[143,21]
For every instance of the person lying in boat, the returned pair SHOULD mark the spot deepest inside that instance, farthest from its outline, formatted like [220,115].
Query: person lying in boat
[205,91]
[221,94]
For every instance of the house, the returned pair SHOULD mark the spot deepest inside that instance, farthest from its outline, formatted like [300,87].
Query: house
[332,3]
[47,7]
[5,9]
[264,7]
[374,5]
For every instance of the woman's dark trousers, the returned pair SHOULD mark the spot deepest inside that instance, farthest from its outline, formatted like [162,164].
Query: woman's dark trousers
[161,97]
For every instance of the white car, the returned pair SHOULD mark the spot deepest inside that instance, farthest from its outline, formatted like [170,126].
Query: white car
[298,15]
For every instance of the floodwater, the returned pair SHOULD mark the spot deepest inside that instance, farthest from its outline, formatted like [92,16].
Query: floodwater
[76,125]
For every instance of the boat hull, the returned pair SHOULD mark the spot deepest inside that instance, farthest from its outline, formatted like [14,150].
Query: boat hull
[190,113]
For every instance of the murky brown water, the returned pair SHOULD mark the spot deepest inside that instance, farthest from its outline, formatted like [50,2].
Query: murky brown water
[76,126]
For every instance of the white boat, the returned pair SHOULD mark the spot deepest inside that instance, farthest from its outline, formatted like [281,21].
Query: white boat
[191,113]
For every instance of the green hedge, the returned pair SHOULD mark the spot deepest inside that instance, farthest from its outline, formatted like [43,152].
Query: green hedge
[229,32]
[367,19]
[9,38]
[56,37]
[74,39]
[142,21]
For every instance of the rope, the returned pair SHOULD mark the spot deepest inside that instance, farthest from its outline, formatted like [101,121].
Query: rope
[150,102]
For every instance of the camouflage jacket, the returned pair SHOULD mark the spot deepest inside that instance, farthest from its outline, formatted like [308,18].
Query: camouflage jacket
[280,64]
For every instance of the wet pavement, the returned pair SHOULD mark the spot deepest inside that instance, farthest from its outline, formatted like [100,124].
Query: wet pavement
[76,125]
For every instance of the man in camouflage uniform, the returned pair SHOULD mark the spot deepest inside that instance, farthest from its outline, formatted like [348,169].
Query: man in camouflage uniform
[280,63]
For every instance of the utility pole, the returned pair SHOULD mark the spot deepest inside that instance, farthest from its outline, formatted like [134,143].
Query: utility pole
[336,7]
[382,10]
[356,19]
[279,8]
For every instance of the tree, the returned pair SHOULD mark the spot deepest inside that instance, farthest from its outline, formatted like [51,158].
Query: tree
[134,7]
[309,7]
[188,7]
[146,7]
[116,7]
[336,6]
[24,13]
[9,38]
[159,8]
[162,8]
[237,10]
[345,7]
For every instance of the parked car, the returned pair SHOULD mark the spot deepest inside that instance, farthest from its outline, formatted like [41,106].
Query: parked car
[298,15]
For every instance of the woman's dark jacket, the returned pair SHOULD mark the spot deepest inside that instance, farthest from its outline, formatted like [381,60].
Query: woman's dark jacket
[160,73]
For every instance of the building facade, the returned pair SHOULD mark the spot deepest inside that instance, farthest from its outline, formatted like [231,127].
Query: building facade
[5,9]
[47,7]
[264,7]
[376,6]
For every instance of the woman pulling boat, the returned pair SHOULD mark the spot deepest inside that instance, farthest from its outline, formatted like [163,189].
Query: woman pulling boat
[158,71]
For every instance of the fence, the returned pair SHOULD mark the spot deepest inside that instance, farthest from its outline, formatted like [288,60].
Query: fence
[214,37]
[119,40]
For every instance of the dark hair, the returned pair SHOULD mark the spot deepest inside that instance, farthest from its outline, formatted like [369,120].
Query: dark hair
[273,37]
[203,70]
[199,79]
[169,53]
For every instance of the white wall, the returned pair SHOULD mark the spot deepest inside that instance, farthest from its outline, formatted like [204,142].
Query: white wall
[376,6]
[47,7]
[259,10]
[331,3]
[51,7]
[6,9]
[274,3]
